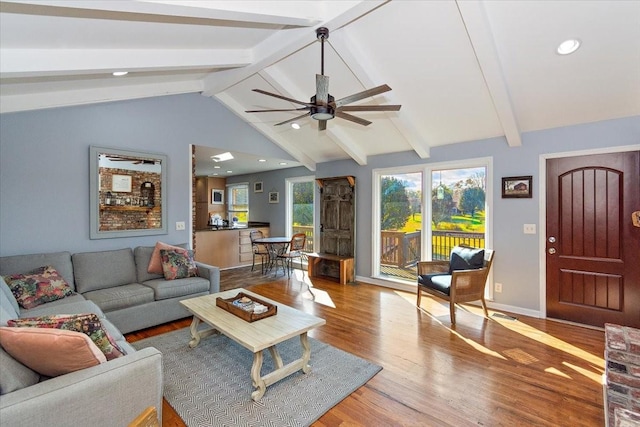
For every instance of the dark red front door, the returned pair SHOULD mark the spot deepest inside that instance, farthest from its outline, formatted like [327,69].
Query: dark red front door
[593,248]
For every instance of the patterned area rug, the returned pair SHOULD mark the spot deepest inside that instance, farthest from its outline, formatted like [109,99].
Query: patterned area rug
[210,385]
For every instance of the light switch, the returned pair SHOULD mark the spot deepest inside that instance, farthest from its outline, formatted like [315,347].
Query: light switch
[529,229]
[180,225]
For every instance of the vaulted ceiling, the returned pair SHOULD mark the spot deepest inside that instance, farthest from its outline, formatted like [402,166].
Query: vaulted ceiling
[462,70]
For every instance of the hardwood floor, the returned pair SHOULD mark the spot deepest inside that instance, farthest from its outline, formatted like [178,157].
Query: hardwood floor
[487,372]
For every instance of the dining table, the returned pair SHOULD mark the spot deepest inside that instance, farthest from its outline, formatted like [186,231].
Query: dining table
[276,245]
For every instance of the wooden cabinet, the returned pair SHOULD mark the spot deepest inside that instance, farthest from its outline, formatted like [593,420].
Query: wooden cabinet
[337,230]
[225,248]
[202,190]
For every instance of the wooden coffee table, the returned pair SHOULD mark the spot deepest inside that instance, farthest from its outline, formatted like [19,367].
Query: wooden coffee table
[255,336]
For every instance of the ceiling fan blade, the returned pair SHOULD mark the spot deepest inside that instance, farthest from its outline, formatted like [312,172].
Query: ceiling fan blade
[271,111]
[322,125]
[275,95]
[370,108]
[292,120]
[362,95]
[351,118]
[322,89]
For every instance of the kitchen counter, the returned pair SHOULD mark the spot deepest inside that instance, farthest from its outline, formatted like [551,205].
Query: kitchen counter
[228,247]
[239,227]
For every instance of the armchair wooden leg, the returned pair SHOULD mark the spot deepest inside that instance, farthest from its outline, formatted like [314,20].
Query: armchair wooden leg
[419,296]
[484,307]
[452,312]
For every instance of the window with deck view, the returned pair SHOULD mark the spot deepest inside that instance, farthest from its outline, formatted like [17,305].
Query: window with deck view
[238,203]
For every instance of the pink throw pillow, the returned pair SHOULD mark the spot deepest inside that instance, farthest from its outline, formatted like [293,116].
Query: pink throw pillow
[155,263]
[51,352]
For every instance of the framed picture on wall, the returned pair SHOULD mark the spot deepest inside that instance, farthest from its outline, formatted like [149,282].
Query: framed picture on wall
[217,197]
[274,197]
[257,187]
[121,183]
[517,187]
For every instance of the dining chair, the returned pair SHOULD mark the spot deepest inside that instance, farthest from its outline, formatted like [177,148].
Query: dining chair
[461,279]
[258,249]
[296,250]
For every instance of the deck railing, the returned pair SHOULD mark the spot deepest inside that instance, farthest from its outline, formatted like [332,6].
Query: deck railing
[308,231]
[403,250]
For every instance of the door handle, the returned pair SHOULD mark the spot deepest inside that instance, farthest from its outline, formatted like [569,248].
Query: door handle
[552,251]
[552,239]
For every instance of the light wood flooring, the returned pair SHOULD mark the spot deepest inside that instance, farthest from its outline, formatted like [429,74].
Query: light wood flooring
[482,372]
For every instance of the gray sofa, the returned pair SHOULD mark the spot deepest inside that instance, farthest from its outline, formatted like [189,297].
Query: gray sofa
[115,286]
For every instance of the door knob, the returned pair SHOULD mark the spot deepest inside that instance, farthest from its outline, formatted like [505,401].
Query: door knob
[552,251]
[552,239]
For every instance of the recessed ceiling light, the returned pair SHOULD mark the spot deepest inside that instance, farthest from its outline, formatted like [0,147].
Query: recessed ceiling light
[229,171]
[282,163]
[262,160]
[216,167]
[295,126]
[120,73]
[214,174]
[568,46]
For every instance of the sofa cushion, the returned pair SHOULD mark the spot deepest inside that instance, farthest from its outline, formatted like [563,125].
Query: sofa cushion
[120,297]
[178,263]
[155,262]
[14,374]
[61,261]
[88,324]
[166,289]
[142,256]
[104,269]
[466,259]
[74,304]
[40,286]
[51,352]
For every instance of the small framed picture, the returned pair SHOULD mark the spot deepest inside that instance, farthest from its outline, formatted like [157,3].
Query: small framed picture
[217,197]
[257,187]
[517,187]
[121,183]
[274,197]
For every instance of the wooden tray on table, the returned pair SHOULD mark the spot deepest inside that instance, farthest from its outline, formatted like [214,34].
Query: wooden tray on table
[227,305]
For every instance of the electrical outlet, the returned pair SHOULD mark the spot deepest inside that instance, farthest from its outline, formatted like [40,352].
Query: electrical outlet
[180,225]
[529,229]
[498,287]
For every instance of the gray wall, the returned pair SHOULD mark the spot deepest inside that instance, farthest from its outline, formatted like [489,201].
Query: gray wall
[44,165]
[44,175]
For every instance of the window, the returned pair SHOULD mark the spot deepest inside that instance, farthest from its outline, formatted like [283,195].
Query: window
[238,197]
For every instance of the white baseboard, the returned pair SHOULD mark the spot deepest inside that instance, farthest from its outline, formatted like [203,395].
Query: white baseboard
[402,286]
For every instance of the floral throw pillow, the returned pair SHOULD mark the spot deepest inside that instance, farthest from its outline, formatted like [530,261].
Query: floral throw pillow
[178,263]
[40,286]
[88,324]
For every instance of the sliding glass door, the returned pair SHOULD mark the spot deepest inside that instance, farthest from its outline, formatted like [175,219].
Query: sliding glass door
[421,212]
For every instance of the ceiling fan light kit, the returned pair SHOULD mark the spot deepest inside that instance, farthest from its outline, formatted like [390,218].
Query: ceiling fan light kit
[323,106]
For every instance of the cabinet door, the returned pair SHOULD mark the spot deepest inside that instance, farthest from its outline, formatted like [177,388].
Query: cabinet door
[202,190]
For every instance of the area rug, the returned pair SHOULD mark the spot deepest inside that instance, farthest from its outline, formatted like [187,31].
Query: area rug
[210,385]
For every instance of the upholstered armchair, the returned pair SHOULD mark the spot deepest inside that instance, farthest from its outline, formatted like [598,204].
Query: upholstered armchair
[461,279]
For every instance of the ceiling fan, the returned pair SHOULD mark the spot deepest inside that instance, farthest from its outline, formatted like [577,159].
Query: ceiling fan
[323,106]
